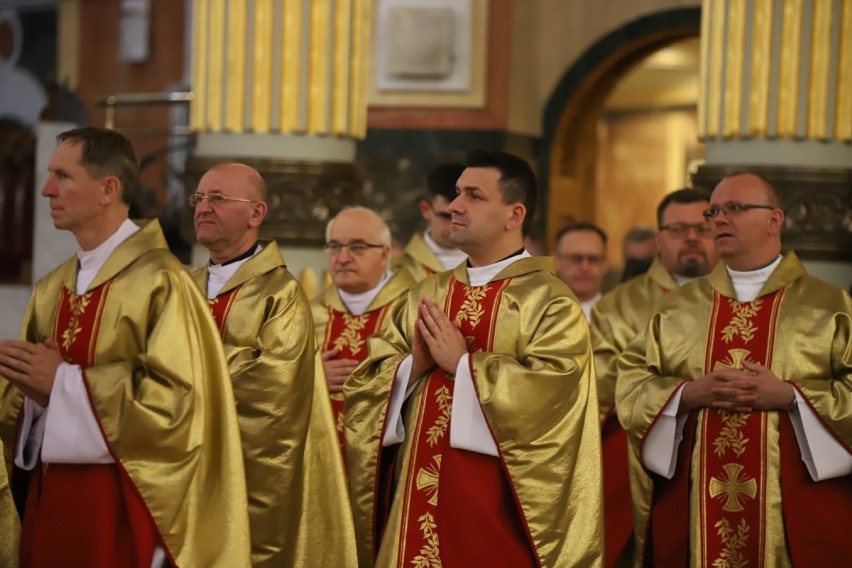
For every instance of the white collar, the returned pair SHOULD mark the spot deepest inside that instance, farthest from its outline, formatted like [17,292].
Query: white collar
[482,275]
[358,303]
[449,257]
[218,274]
[588,304]
[748,284]
[91,261]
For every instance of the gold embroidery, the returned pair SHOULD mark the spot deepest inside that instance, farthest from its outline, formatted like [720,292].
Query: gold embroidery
[734,361]
[430,556]
[339,424]
[471,309]
[427,480]
[731,556]
[733,488]
[439,428]
[741,323]
[78,305]
[351,335]
[730,435]
[213,302]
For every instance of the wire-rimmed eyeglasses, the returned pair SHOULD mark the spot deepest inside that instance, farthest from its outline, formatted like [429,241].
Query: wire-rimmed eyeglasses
[215,199]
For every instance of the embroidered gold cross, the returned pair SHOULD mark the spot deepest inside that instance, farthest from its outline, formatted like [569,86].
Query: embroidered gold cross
[734,361]
[733,487]
[427,480]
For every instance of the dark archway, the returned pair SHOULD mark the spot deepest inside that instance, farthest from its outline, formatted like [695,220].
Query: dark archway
[567,156]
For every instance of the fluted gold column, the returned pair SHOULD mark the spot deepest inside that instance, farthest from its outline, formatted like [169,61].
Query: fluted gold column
[280,66]
[776,99]
[776,69]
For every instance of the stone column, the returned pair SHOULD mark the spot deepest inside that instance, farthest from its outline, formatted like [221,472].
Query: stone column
[776,98]
[281,85]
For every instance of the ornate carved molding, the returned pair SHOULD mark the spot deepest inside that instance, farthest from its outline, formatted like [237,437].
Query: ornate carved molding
[817,205]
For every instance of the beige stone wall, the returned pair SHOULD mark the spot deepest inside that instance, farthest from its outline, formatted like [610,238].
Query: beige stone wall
[547,38]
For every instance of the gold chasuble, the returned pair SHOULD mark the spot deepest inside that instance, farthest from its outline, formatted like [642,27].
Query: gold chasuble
[424,503]
[616,319]
[740,494]
[158,383]
[419,259]
[288,438]
[10,527]
[336,327]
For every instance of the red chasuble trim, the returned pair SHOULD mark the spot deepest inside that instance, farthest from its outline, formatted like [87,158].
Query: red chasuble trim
[457,504]
[221,308]
[732,446]
[349,333]
[85,515]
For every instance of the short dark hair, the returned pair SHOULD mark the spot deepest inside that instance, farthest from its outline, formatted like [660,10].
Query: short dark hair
[685,195]
[105,153]
[442,180]
[517,180]
[581,226]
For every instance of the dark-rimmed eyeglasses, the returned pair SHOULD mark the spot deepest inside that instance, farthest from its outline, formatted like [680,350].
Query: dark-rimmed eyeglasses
[682,229]
[592,259]
[215,199]
[357,248]
[732,209]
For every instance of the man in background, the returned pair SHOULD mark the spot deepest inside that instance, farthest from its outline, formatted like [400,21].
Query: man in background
[287,435]
[357,303]
[685,251]
[581,261]
[433,251]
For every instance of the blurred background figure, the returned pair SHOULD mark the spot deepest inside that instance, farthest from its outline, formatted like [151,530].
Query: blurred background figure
[581,261]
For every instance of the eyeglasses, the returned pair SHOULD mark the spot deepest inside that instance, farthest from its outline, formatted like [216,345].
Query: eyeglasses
[357,248]
[682,229]
[592,259]
[214,199]
[731,209]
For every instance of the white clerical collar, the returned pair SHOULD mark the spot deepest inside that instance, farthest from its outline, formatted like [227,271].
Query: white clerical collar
[747,285]
[588,304]
[449,257]
[357,304]
[681,280]
[219,274]
[482,275]
[91,261]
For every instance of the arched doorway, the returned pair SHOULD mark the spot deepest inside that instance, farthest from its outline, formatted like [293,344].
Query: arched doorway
[569,156]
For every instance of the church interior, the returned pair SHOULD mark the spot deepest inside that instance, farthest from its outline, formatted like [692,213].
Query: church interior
[342,102]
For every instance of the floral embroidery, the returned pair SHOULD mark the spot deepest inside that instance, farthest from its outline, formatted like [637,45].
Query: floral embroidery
[741,323]
[78,305]
[351,337]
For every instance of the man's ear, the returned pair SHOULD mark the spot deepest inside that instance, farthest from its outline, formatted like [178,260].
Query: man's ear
[776,221]
[517,216]
[111,188]
[258,214]
[425,210]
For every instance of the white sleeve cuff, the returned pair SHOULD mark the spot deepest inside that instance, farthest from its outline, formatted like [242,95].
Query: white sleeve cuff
[468,427]
[824,456]
[394,428]
[72,433]
[659,452]
[31,435]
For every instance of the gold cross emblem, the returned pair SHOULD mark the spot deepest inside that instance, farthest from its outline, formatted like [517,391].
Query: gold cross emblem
[734,361]
[427,480]
[733,488]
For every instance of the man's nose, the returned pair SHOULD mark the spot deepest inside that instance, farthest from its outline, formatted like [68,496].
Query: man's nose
[49,187]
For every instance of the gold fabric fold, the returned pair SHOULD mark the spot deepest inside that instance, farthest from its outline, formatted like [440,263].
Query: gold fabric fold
[538,396]
[418,259]
[161,391]
[293,470]
[812,349]
[617,318]
[10,526]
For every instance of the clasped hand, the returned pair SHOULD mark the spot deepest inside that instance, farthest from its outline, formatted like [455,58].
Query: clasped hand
[437,340]
[30,366]
[754,387]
